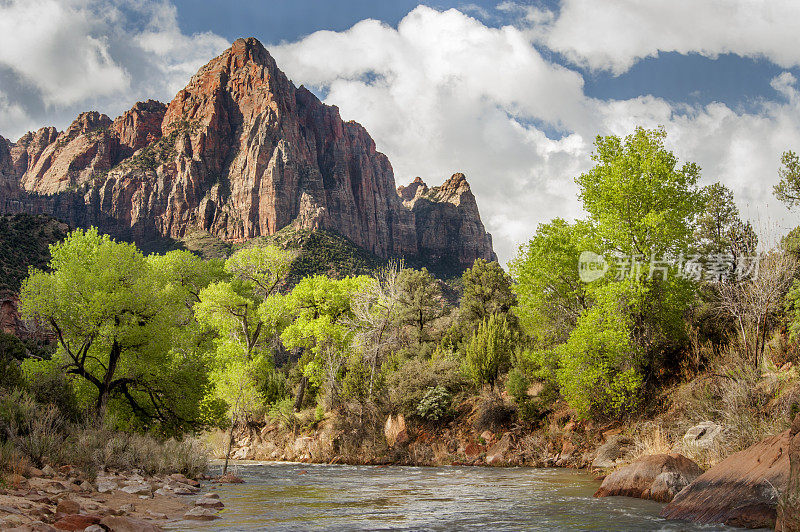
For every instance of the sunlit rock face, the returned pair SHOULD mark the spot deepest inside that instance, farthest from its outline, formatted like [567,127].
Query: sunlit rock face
[239,152]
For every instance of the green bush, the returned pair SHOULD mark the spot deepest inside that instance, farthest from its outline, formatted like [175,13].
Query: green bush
[517,385]
[283,411]
[10,372]
[46,382]
[600,365]
[436,405]
[12,347]
[355,385]
[413,377]
[489,351]
[529,408]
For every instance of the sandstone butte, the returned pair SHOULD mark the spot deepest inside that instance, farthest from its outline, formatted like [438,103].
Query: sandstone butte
[240,152]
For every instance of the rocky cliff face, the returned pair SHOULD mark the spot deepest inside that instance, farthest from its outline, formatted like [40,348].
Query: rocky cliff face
[9,183]
[448,225]
[240,152]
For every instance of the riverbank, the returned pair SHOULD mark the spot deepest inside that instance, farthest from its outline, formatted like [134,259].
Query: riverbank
[48,500]
[712,424]
[706,419]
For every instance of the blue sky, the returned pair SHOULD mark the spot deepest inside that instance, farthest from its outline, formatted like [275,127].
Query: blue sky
[510,93]
[735,80]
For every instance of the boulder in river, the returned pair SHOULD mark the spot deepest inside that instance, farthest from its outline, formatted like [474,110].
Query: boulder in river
[658,477]
[199,513]
[207,502]
[742,490]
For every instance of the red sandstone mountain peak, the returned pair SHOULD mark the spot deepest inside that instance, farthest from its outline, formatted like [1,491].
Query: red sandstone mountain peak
[241,152]
[140,125]
[409,192]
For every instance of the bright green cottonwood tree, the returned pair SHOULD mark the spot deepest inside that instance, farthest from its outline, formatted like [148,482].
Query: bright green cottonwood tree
[320,308]
[551,295]
[243,344]
[111,318]
[642,205]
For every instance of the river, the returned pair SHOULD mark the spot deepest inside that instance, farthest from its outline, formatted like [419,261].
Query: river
[282,496]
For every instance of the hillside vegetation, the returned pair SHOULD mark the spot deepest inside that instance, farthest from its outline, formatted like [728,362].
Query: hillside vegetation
[24,243]
[672,325]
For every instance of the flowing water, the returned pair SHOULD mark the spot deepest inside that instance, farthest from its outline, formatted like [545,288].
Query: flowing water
[284,496]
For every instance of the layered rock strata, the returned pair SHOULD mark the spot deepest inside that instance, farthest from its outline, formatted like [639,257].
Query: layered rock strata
[240,152]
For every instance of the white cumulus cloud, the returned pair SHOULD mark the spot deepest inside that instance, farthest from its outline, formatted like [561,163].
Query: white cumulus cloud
[61,57]
[442,92]
[615,34]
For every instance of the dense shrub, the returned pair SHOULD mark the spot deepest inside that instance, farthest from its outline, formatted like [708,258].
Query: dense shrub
[39,434]
[47,384]
[10,372]
[600,366]
[436,404]
[489,351]
[36,431]
[355,385]
[12,347]
[492,413]
[413,377]
[273,386]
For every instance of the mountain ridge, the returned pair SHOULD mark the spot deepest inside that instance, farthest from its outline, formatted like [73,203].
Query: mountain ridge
[240,152]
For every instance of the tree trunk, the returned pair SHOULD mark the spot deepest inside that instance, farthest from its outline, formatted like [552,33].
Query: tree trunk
[301,392]
[105,387]
[230,445]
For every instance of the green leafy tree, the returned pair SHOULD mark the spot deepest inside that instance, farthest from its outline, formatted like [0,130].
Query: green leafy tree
[606,339]
[421,301]
[720,231]
[718,217]
[437,404]
[12,347]
[320,309]
[643,205]
[639,200]
[111,320]
[489,350]
[487,291]
[600,366]
[124,333]
[788,188]
[184,275]
[551,295]
[241,311]
[791,242]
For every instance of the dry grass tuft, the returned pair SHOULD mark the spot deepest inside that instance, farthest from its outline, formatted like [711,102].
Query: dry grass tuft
[750,402]
[652,438]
